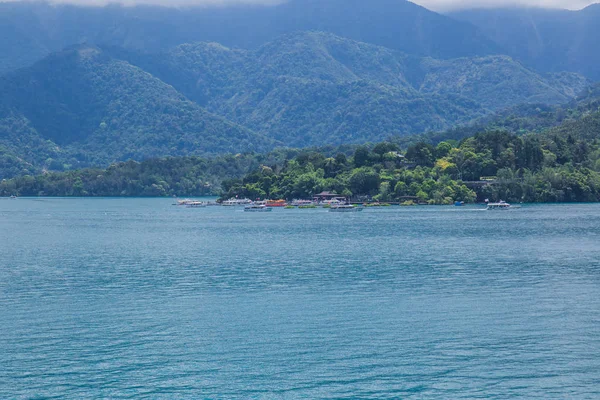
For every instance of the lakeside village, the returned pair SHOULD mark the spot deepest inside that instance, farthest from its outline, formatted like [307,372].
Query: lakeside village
[327,200]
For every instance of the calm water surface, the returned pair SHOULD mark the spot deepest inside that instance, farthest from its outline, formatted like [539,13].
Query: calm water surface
[136,298]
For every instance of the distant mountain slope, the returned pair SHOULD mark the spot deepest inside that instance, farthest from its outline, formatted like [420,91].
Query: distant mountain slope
[32,30]
[548,40]
[91,106]
[92,109]
[580,118]
[587,127]
[315,88]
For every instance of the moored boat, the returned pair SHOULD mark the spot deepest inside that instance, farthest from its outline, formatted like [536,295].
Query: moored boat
[345,208]
[196,204]
[236,202]
[185,202]
[257,208]
[302,203]
[276,203]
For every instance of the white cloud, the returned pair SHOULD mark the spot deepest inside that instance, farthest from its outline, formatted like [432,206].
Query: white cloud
[445,5]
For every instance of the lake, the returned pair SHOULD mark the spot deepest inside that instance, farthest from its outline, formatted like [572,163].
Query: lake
[137,298]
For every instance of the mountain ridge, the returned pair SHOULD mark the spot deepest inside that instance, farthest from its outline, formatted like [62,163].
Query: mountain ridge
[295,63]
[548,40]
[87,108]
[398,24]
[91,105]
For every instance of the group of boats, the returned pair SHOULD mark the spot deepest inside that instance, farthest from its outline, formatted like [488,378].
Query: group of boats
[269,205]
[334,205]
[333,208]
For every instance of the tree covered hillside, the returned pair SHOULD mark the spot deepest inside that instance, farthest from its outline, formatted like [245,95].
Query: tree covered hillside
[315,88]
[561,164]
[87,106]
[81,107]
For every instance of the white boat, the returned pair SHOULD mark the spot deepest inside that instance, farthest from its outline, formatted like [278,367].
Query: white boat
[236,202]
[331,203]
[345,208]
[185,202]
[501,205]
[257,208]
[196,204]
[302,203]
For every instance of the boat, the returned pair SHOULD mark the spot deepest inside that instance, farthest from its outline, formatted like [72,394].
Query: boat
[13,197]
[459,203]
[501,205]
[257,208]
[331,203]
[302,203]
[276,203]
[196,204]
[345,208]
[236,202]
[185,202]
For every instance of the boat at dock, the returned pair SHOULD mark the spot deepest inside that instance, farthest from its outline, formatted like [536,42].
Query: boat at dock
[257,208]
[345,208]
[196,204]
[185,202]
[302,203]
[236,202]
[276,203]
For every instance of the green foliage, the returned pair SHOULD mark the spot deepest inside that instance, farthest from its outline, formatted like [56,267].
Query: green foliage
[87,106]
[83,108]
[315,88]
[181,176]
[530,168]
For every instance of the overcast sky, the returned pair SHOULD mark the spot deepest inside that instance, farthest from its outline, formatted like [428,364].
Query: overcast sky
[438,5]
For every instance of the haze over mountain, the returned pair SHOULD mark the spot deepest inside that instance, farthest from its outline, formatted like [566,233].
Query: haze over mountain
[547,40]
[30,31]
[447,5]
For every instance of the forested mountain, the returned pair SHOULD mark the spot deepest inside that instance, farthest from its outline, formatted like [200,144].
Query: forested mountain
[314,88]
[82,107]
[89,106]
[578,117]
[108,84]
[32,30]
[545,39]
[559,163]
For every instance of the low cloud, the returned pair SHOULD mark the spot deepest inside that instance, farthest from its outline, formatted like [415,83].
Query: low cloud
[446,5]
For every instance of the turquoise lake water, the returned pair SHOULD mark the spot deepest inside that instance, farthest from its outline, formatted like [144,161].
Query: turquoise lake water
[136,298]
